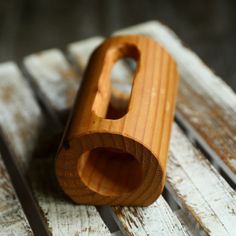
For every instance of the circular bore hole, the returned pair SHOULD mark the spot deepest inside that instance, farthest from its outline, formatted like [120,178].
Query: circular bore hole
[109,171]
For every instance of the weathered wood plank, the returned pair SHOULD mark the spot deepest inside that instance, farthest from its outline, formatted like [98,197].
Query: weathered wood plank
[15,115]
[48,70]
[172,224]
[12,217]
[157,219]
[20,123]
[81,51]
[205,102]
[62,216]
[199,189]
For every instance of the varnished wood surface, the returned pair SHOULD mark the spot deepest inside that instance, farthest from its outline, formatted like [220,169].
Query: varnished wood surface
[120,160]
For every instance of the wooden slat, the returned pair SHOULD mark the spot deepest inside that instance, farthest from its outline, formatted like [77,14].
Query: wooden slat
[15,115]
[206,105]
[157,219]
[164,212]
[80,52]
[177,165]
[199,189]
[49,70]
[63,216]
[12,218]
[22,118]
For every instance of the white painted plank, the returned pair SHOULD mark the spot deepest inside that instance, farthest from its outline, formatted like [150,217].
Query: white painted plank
[48,70]
[157,219]
[212,202]
[20,122]
[205,102]
[199,189]
[12,217]
[15,112]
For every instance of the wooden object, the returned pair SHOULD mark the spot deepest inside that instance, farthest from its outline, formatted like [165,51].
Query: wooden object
[158,219]
[120,159]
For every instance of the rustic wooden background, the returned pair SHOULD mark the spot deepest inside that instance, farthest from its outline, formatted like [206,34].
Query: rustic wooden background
[207,26]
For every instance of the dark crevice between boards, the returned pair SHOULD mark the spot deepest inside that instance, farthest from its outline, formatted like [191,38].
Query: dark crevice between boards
[106,214]
[22,189]
[206,150]
[175,205]
[216,165]
[170,200]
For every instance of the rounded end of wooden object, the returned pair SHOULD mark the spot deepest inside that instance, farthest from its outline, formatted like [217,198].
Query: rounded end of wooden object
[120,160]
[93,169]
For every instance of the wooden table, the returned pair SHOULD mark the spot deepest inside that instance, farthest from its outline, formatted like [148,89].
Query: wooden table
[35,98]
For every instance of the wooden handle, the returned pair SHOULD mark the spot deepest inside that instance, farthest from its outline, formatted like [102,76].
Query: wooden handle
[120,160]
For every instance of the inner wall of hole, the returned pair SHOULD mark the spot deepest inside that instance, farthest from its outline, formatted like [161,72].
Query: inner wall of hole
[109,171]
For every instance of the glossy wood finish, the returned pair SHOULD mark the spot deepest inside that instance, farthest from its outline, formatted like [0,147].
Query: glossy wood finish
[105,159]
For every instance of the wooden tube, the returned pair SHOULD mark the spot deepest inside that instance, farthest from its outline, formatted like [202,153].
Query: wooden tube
[120,161]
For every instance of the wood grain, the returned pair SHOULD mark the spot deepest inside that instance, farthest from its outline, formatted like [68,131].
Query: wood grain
[205,104]
[103,157]
[21,130]
[83,50]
